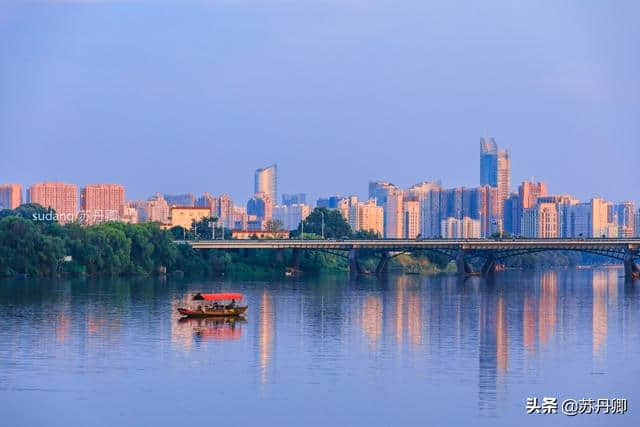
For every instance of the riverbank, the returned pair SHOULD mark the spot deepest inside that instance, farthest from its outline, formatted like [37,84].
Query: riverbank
[30,248]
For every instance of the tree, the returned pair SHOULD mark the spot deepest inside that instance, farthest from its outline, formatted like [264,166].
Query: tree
[25,249]
[204,229]
[179,233]
[365,235]
[273,225]
[335,226]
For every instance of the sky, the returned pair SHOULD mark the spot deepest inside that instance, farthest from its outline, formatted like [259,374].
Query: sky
[194,95]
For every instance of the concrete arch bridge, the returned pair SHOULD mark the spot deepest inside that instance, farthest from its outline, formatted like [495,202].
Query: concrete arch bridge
[488,252]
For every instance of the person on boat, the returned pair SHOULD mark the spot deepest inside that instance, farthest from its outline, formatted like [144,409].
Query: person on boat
[233,304]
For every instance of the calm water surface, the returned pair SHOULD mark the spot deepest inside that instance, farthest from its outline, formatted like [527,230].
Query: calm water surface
[408,350]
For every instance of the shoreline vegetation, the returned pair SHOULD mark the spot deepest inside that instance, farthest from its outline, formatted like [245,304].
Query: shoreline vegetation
[43,248]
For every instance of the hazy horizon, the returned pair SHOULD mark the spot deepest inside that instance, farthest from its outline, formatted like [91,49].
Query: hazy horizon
[193,96]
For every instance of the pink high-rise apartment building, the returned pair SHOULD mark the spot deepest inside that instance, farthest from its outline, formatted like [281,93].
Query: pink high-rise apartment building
[10,196]
[59,196]
[102,202]
[529,193]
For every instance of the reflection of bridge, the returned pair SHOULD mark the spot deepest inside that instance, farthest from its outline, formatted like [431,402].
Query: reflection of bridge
[490,252]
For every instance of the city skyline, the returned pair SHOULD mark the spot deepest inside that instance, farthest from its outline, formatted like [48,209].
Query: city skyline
[313,196]
[426,209]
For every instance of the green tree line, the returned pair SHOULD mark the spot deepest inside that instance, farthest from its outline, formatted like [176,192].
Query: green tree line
[32,245]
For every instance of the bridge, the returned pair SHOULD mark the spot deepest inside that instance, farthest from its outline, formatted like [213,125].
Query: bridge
[462,251]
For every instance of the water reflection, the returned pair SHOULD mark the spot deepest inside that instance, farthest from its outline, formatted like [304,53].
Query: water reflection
[428,336]
[217,329]
[547,306]
[265,335]
[371,318]
[414,318]
[605,296]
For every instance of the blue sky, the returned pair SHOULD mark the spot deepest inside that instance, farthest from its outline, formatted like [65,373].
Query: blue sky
[193,95]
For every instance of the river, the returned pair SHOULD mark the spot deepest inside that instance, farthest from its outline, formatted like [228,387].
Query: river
[407,350]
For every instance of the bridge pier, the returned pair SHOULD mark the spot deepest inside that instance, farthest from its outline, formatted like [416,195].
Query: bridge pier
[462,265]
[354,267]
[489,266]
[631,269]
[383,265]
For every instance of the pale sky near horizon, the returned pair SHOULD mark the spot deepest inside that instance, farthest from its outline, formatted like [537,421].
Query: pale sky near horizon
[194,95]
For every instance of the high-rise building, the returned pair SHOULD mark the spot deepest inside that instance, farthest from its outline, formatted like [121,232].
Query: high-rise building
[529,193]
[380,191]
[348,207]
[451,204]
[637,224]
[511,214]
[59,196]
[129,213]
[362,216]
[241,218]
[156,209]
[294,199]
[565,217]
[266,181]
[186,199]
[225,211]
[290,216]
[394,214]
[482,204]
[330,202]
[495,168]
[514,206]
[431,212]
[456,228]
[504,174]
[101,202]
[10,196]
[425,193]
[370,217]
[208,200]
[343,207]
[261,206]
[591,219]
[624,213]
[411,224]
[540,221]
[488,162]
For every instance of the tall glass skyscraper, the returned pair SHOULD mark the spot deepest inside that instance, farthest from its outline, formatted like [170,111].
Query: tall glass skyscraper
[488,162]
[495,167]
[266,181]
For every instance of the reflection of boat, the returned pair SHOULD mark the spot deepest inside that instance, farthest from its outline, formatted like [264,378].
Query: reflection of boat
[213,321]
[215,328]
[228,308]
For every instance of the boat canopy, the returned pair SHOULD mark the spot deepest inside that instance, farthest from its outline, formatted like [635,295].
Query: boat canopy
[217,297]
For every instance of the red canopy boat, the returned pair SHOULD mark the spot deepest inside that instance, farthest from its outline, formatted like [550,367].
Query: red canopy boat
[215,309]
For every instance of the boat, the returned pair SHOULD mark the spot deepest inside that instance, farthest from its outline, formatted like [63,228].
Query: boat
[222,305]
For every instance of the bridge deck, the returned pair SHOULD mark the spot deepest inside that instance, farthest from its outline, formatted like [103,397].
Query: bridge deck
[444,244]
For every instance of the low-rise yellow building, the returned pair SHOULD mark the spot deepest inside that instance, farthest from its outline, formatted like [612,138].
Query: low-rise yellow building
[184,216]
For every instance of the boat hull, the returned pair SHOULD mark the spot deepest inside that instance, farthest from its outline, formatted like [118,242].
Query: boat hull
[222,312]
